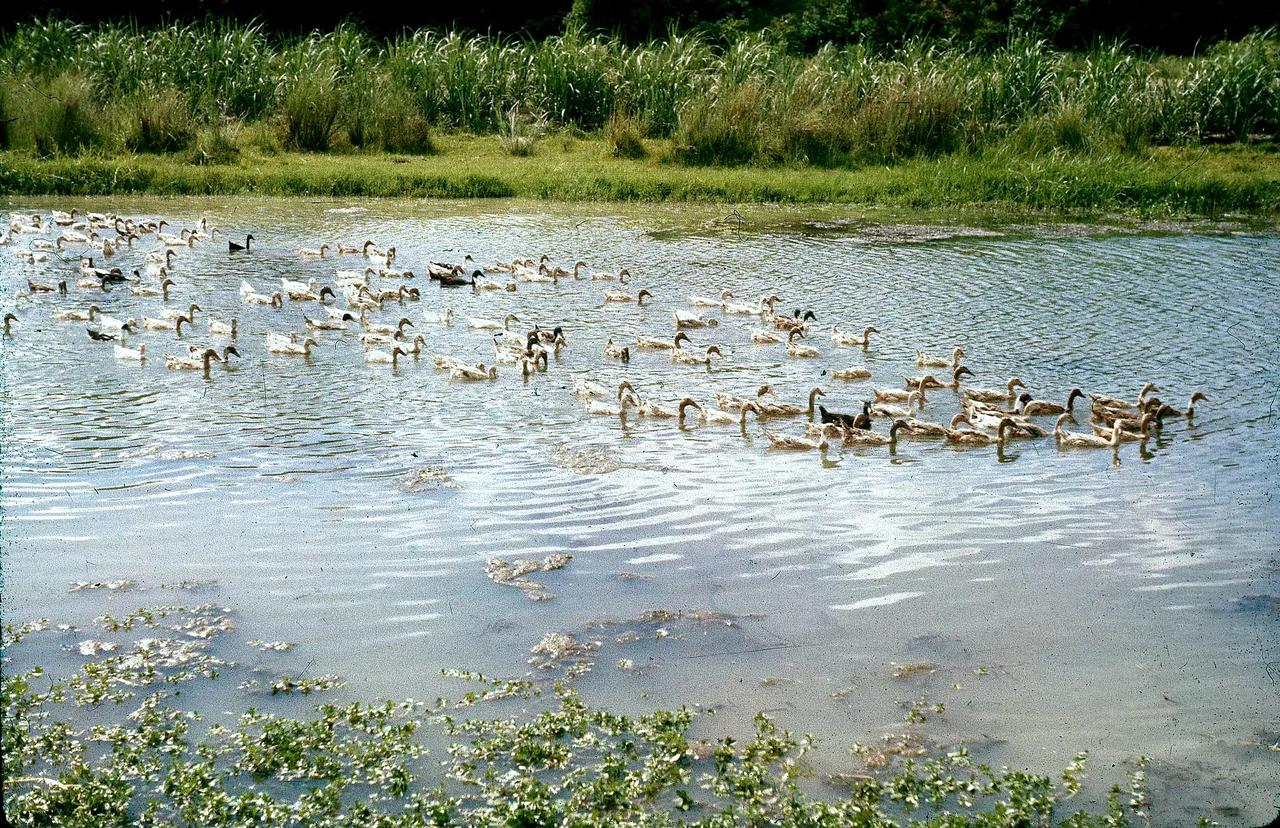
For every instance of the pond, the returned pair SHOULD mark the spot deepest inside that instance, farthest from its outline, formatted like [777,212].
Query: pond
[1053,601]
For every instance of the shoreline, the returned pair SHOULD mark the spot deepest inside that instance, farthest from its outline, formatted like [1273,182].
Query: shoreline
[1165,182]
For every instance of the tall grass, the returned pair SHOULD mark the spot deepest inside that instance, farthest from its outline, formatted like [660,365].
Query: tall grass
[748,102]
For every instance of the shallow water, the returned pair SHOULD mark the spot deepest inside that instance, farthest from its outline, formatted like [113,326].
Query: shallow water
[1067,602]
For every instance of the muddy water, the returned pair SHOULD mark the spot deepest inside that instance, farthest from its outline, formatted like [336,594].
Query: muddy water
[1063,600]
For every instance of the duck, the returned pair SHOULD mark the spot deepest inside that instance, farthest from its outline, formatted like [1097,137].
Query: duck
[924,360]
[163,324]
[800,351]
[769,409]
[40,287]
[789,323]
[110,323]
[1036,408]
[1125,426]
[174,313]
[98,336]
[860,421]
[650,343]
[1190,411]
[1069,439]
[731,402]
[345,250]
[9,319]
[252,297]
[715,416]
[924,428]
[853,372]
[762,337]
[899,394]
[995,395]
[685,320]
[613,351]
[138,354]
[314,252]
[277,344]
[191,362]
[970,437]
[492,325]
[600,409]
[329,323]
[627,297]
[1104,401]
[866,437]
[708,302]
[374,357]
[932,382]
[847,340]
[342,278]
[547,337]
[225,358]
[586,388]
[76,315]
[218,328]
[481,285]
[371,327]
[145,290]
[161,257]
[474,372]
[915,398]
[233,247]
[789,442]
[689,358]
[445,318]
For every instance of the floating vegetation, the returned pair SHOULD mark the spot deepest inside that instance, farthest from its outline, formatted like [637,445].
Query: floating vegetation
[511,573]
[586,459]
[428,479]
[113,586]
[908,671]
[556,647]
[272,646]
[154,762]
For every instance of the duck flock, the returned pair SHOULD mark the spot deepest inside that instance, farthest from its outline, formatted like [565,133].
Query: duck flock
[77,260]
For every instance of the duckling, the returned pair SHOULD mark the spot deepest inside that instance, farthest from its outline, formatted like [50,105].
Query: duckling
[627,297]
[1035,408]
[648,342]
[846,340]
[715,416]
[233,247]
[994,395]
[217,328]
[314,252]
[854,372]
[1068,439]
[384,358]
[685,320]
[138,354]
[800,351]
[175,324]
[191,362]
[688,358]
[75,315]
[788,442]
[923,360]
[476,372]
[884,410]
[613,351]
[768,409]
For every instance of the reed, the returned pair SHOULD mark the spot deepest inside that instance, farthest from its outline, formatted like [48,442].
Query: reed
[749,101]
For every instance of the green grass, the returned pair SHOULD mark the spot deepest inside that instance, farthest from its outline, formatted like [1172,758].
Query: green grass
[1157,182]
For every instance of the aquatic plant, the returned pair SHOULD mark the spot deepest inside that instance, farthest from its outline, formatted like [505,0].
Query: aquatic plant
[148,759]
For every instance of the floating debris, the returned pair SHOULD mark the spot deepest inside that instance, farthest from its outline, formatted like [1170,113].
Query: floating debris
[272,646]
[122,584]
[93,647]
[205,626]
[289,685]
[511,573]
[776,681]
[186,584]
[586,459]
[626,664]
[633,576]
[428,479]
[908,671]
[557,646]
[701,616]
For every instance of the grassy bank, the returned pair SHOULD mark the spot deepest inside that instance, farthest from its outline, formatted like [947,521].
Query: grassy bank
[67,89]
[1183,181]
